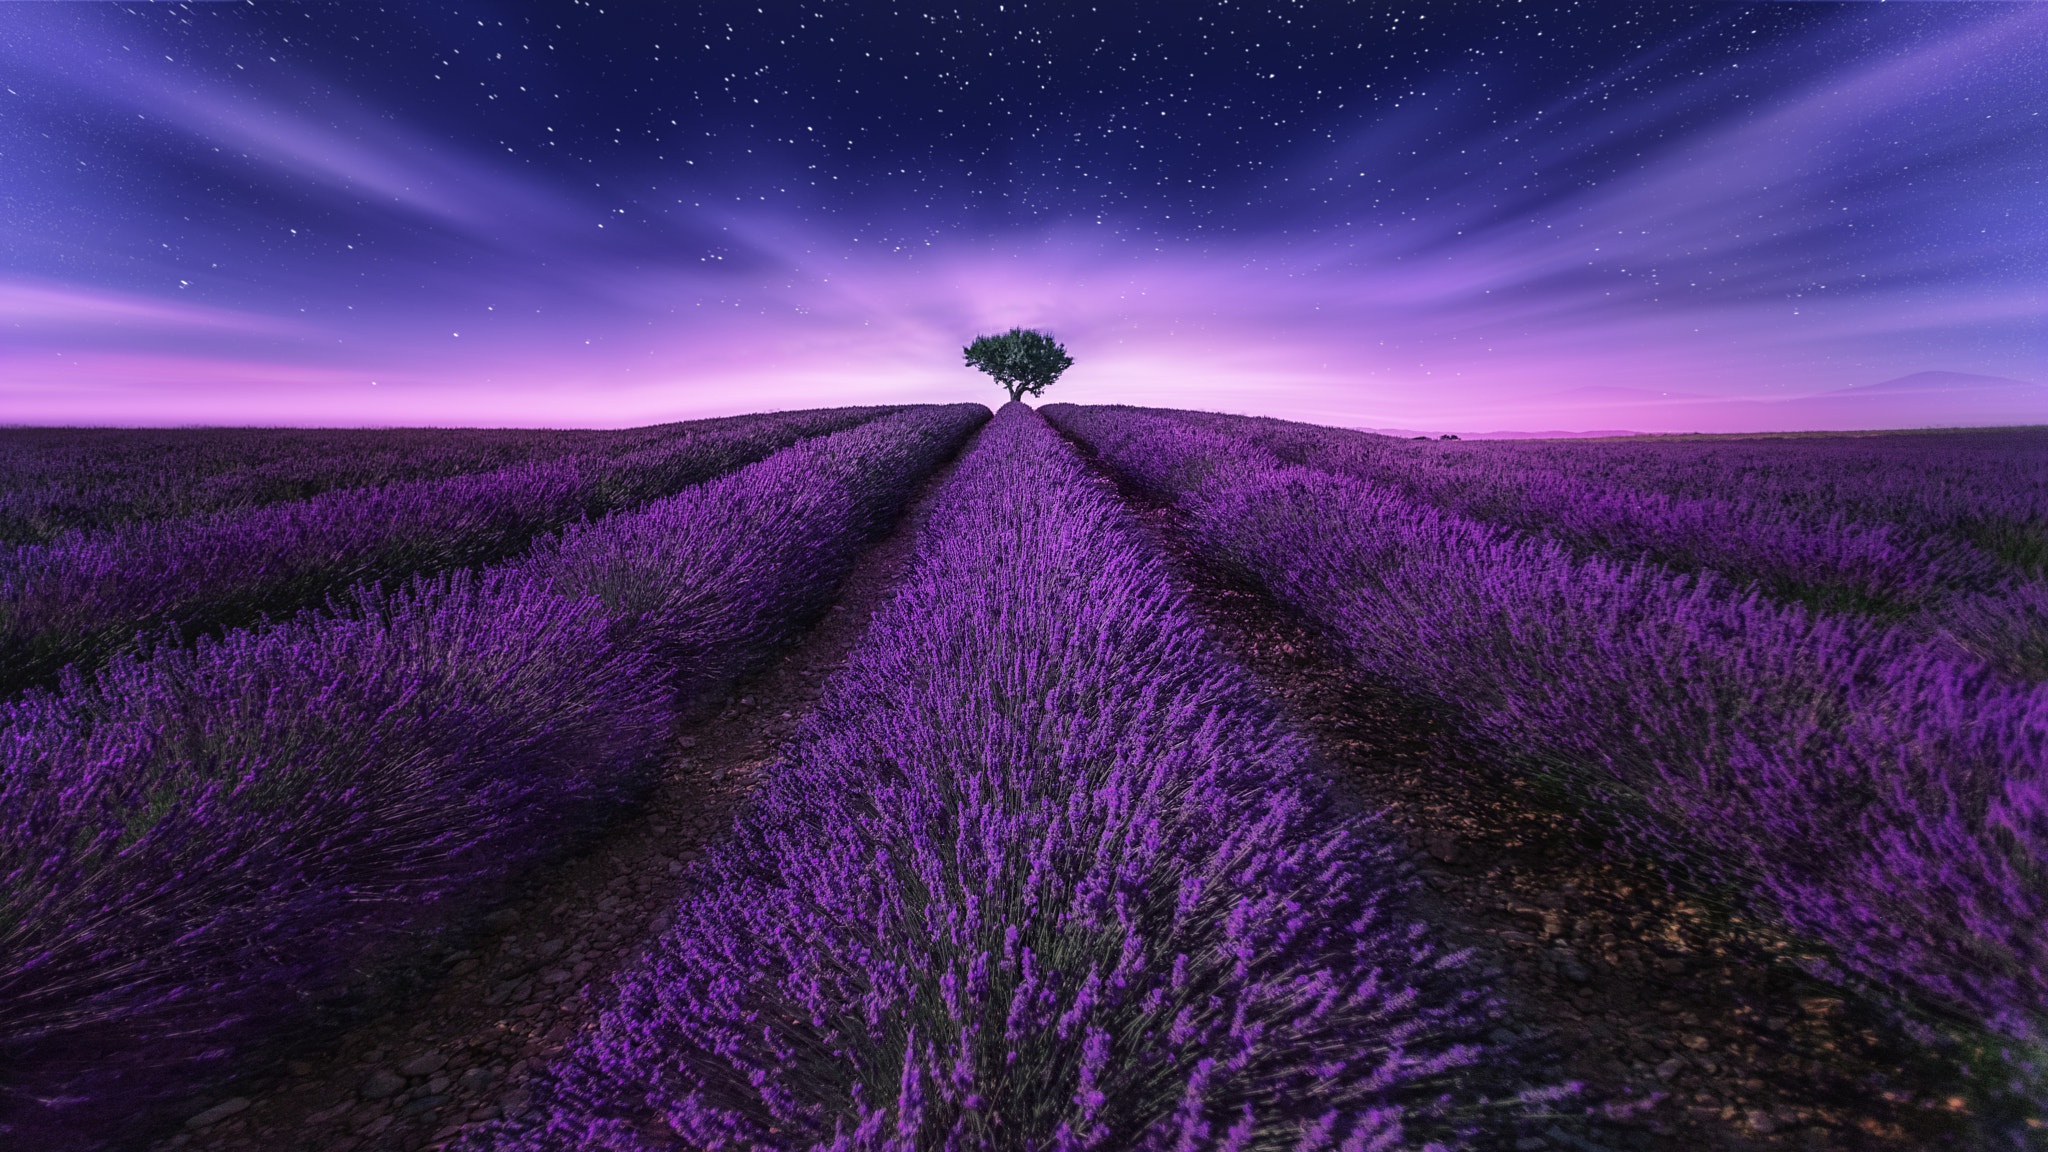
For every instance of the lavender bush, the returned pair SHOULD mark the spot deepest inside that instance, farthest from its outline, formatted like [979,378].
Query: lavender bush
[1881,796]
[1612,499]
[200,842]
[1986,486]
[1946,533]
[1045,872]
[85,596]
[59,480]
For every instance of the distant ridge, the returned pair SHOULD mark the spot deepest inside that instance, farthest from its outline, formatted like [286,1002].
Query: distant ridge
[1922,400]
[1932,399]
[1920,382]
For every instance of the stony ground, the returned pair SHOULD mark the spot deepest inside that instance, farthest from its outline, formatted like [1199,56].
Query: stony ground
[1689,1029]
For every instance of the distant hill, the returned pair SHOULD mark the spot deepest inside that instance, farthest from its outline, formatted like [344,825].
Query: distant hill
[1923,400]
[1919,400]
[1943,382]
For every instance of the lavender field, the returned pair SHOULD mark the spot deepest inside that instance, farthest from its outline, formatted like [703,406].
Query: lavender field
[1083,778]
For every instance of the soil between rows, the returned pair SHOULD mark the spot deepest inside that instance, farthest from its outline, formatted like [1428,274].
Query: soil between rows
[1609,978]
[462,1053]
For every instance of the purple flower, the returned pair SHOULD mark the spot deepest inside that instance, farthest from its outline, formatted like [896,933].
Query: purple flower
[1877,790]
[1043,870]
[84,596]
[201,844]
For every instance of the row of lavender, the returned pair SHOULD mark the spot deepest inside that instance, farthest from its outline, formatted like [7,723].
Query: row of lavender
[1985,486]
[1044,871]
[1881,796]
[85,596]
[59,480]
[200,843]
[1947,531]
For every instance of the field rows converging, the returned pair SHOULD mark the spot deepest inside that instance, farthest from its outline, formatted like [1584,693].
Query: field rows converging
[1877,791]
[56,481]
[84,596]
[205,842]
[1018,842]
[1041,871]
[1940,531]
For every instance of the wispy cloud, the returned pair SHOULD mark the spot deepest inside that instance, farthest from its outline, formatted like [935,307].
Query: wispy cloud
[1772,234]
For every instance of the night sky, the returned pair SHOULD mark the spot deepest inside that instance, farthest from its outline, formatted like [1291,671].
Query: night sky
[1493,213]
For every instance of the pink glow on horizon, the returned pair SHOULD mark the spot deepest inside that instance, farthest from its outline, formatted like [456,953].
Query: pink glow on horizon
[1188,330]
[1689,275]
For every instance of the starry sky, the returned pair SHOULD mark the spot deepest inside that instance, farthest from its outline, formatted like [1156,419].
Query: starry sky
[1459,213]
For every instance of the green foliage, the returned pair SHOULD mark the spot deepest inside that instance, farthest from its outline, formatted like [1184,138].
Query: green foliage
[1022,360]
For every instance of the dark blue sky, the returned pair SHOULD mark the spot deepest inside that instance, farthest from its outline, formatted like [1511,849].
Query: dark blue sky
[590,212]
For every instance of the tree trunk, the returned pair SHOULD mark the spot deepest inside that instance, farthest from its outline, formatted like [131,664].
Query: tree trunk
[1016,393]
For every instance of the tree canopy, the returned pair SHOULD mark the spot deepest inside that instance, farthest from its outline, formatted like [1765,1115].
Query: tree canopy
[1021,360]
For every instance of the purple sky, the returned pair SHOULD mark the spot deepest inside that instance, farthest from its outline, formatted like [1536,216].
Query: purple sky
[537,214]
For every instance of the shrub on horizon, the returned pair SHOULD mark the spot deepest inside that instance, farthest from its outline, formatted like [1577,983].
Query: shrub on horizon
[1024,361]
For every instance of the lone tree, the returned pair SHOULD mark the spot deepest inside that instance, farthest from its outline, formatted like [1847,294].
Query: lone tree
[1022,360]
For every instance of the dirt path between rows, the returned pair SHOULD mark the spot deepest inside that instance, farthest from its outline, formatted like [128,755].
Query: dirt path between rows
[1609,979]
[461,1053]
